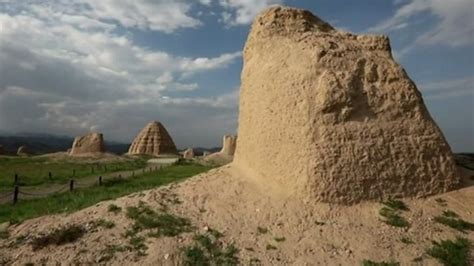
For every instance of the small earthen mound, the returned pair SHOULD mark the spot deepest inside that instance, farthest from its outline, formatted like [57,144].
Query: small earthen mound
[330,116]
[228,145]
[226,154]
[188,154]
[90,143]
[153,140]
[23,150]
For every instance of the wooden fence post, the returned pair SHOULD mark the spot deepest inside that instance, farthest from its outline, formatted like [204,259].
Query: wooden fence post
[15,181]
[15,195]
[100,180]
[50,175]
[71,185]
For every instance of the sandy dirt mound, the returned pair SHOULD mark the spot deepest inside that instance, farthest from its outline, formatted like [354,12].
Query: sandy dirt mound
[330,115]
[217,158]
[188,153]
[228,145]
[222,200]
[23,151]
[225,155]
[90,143]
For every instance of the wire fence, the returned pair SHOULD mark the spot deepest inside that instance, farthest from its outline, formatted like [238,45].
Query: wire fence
[31,192]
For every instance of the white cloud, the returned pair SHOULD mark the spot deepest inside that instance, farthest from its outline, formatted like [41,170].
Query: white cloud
[242,12]
[226,101]
[166,82]
[70,71]
[165,78]
[161,15]
[449,88]
[99,53]
[205,2]
[203,63]
[454,26]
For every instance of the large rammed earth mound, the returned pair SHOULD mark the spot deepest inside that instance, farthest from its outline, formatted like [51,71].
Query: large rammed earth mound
[154,139]
[331,116]
[90,143]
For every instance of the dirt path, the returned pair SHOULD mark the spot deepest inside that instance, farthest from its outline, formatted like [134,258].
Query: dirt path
[44,190]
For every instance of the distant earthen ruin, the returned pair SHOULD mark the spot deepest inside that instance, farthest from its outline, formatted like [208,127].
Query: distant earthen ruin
[153,140]
[188,154]
[330,116]
[90,143]
[23,150]
[228,145]
[226,154]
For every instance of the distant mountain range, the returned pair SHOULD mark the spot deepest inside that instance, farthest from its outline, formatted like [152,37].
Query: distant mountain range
[200,150]
[47,143]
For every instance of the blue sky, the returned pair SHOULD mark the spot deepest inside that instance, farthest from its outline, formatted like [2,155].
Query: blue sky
[70,67]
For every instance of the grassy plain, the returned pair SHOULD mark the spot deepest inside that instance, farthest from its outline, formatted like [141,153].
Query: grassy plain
[34,171]
[82,198]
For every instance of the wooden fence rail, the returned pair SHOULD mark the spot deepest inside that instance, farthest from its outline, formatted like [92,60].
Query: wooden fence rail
[71,185]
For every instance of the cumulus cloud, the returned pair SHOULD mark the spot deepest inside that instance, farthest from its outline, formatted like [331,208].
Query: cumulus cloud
[205,2]
[449,88]
[162,15]
[69,68]
[203,63]
[242,12]
[158,15]
[454,24]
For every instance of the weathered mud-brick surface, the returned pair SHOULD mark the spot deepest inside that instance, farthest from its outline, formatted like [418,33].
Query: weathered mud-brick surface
[154,139]
[228,145]
[331,116]
[23,150]
[90,143]
[188,153]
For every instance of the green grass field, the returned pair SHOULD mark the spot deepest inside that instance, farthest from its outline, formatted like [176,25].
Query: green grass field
[35,171]
[82,198]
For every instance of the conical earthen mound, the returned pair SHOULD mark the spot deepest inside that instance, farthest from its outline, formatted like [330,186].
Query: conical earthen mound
[153,140]
[332,117]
